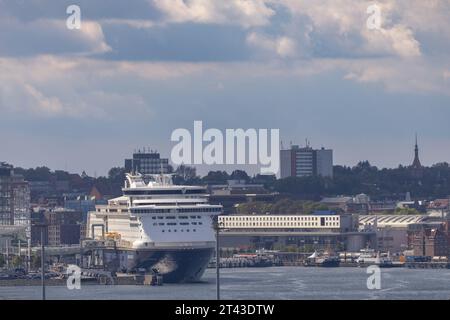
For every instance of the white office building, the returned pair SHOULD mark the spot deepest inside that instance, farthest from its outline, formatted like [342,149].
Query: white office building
[302,162]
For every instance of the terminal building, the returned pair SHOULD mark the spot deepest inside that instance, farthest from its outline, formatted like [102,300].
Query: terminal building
[322,230]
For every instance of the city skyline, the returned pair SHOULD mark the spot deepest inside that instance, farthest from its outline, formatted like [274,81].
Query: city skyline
[84,99]
[203,169]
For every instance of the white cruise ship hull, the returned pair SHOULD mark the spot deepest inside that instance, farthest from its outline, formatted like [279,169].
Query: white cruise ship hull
[157,227]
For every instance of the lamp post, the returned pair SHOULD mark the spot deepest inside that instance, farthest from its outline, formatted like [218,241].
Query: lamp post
[217,225]
[42,226]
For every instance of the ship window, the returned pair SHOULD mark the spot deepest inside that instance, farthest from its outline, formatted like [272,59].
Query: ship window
[154,218]
[199,217]
[187,230]
[171,224]
[170,217]
[184,223]
[194,230]
[194,223]
[160,217]
[161,224]
[183,217]
[193,217]
[162,230]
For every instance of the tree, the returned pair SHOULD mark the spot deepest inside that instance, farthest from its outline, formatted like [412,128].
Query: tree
[239,175]
[17,261]
[310,187]
[216,177]
[186,175]
[35,261]
[116,174]
[406,211]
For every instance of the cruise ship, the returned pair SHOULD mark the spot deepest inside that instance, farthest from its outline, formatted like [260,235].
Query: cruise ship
[159,227]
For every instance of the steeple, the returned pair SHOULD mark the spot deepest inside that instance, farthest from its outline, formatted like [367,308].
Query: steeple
[416,163]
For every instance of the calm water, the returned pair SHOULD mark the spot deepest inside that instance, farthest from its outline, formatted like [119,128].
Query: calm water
[269,283]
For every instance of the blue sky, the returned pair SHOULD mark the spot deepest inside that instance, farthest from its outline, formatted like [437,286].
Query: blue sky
[137,70]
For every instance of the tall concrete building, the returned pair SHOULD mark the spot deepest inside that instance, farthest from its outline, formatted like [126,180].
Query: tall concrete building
[147,162]
[14,198]
[302,162]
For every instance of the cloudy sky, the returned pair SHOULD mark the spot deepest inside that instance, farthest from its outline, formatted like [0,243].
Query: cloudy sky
[138,69]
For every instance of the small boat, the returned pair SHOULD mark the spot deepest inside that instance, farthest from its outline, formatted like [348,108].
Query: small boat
[370,257]
[322,259]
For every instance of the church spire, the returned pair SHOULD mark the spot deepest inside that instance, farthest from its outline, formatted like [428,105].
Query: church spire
[416,163]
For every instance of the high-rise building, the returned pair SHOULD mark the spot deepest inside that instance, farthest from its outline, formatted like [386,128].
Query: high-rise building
[147,163]
[14,197]
[302,162]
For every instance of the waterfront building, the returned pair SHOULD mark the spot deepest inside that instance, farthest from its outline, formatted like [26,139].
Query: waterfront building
[147,162]
[302,162]
[430,239]
[391,230]
[63,226]
[321,230]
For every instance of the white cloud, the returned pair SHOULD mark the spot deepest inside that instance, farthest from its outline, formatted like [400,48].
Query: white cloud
[246,13]
[42,36]
[282,46]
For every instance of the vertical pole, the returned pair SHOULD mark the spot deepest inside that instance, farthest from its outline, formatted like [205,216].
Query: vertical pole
[29,255]
[42,263]
[217,263]
[7,253]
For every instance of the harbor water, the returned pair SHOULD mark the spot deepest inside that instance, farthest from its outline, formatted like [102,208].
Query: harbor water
[268,283]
